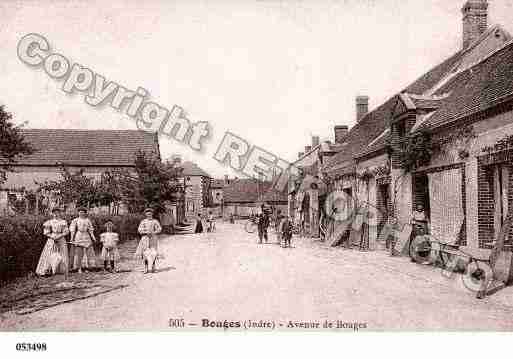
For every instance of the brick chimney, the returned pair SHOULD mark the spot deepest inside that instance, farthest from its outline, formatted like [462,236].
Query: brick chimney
[362,107]
[315,141]
[475,20]
[341,132]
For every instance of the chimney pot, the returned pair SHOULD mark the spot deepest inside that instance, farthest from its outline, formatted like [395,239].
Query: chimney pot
[362,107]
[475,20]
[315,141]
[341,132]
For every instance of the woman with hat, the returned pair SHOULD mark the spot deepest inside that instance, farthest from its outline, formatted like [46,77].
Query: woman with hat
[148,228]
[82,238]
[56,230]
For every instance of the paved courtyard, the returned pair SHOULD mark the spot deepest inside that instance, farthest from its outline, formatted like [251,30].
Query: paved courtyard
[227,276]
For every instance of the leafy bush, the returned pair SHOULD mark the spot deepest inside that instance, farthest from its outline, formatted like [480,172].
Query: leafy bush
[22,240]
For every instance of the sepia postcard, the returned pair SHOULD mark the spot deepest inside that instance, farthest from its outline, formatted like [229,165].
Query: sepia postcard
[255,166]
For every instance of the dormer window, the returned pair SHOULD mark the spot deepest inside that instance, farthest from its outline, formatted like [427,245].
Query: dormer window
[401,129]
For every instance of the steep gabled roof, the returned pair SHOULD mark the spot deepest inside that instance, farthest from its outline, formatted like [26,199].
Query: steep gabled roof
[375,122]
[86,147]
[274,196]
[252,191]
[244,190]
[218,183]
[477,88]
[192,169]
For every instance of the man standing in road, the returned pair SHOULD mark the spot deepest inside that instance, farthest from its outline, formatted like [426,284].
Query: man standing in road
[263,224]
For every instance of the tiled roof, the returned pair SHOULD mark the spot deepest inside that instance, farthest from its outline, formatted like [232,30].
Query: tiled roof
[425,102]
[274,196]
[244,190]
[86,147]
[218,183]
[375,122]
[343,170]
[369,128]
[475,89]
[192,169]
[376,146]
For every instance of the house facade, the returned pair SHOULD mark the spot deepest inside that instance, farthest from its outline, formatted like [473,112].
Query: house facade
[306,195]
[92,151]
[197,184]
[443,142]
[242,197]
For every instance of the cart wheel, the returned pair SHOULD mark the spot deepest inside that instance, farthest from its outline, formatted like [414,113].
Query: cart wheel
[250,227]
[420,250]
[477,276]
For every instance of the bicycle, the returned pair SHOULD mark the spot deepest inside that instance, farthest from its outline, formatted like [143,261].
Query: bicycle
[251,225]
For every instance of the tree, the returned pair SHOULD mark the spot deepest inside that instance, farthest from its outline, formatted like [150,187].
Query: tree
[74,187]
[152,184]
[12,144]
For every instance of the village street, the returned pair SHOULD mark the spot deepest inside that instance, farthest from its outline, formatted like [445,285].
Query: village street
[226,276]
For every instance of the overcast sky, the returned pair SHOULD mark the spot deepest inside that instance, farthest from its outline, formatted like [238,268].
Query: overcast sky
[273,72]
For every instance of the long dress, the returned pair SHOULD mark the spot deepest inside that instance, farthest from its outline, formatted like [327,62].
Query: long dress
[81,236]
[199,226]
[110,246]
[53,229]
[148,228]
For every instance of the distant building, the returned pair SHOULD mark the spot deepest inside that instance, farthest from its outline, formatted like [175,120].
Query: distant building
[93,151]
[197,188]
[216,191]
[306,197]
[243,197]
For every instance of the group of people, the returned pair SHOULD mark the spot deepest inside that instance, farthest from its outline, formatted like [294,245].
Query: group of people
[211,223]
[65,244]
[283,227]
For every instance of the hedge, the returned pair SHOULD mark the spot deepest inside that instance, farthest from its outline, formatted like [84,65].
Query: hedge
[22,240]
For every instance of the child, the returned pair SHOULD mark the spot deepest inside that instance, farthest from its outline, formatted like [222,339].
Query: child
[110,241]
[211,222]
[286,232]
[148,228]
[82,238]
[199,224]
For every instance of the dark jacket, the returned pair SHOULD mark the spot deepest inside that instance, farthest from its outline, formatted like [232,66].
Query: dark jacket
[286,228]
[199,226]
[263,220]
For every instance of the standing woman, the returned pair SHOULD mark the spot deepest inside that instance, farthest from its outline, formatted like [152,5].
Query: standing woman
[199,224]
[56,230]
[82,237]
[148,228]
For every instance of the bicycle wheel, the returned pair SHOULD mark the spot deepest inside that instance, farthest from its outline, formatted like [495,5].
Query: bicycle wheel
[250,227]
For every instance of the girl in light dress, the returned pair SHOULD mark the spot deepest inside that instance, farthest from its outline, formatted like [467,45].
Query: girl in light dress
[82,238]
[110,241]
[54,257]
[147,249]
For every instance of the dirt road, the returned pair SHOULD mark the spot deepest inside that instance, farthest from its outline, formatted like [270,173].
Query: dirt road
[226,276]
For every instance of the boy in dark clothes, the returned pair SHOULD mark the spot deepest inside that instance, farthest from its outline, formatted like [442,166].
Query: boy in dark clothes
[286,232]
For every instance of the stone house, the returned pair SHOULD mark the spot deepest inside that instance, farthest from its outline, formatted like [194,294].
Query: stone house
[244,196]
[461,112]
[306,195]
[93,151]
[197,184]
